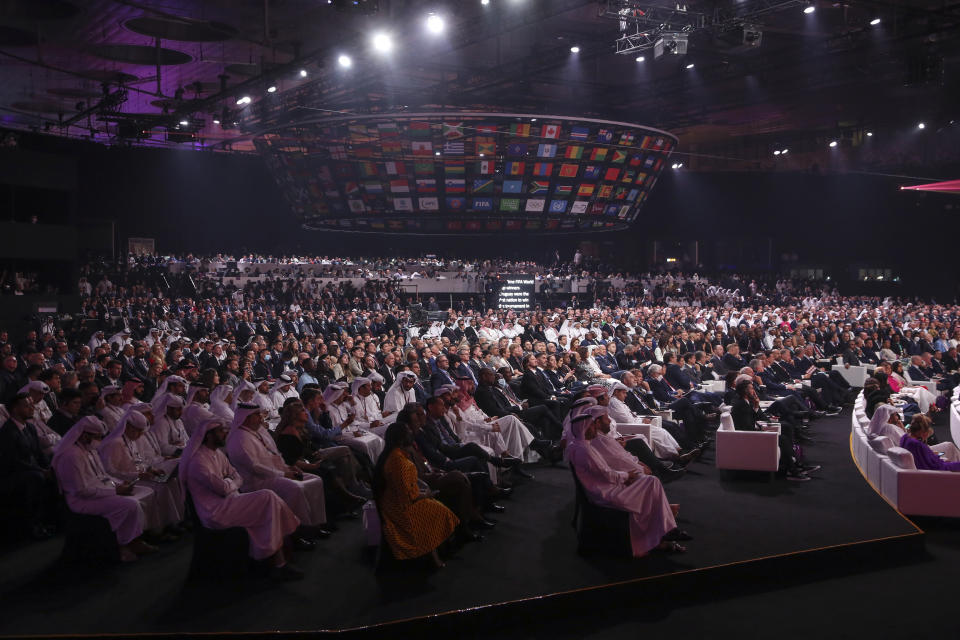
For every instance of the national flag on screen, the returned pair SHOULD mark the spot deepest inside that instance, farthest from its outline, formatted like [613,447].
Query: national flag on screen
[454,225]
[359,133]
[649,181]
[422,168]
[585,190]
[420,129]
[421,148]
[351,188]
[649,161]
[619,157]
[667,145]
[535,204]
[658,165]
[454,167]
[482,204]
[611,210]
[362,151]
[402,204]
[624,211]
[542,168]
[482,185]
[592,171]
[579,206]
[550,131]
[628,175]
[573,152]
[426,185]
[486,146]
[486,167]
[569,170]
[387,129]
[474,225]
[486,130]
[553,224]
[509,204]
[627,138]
[645,142]
[356,206]
[513,186]
[611,174]
[452,130]
[455,185]
[598,154]
[636,160]
[515,168]
[605,135]
[429,204]
[546,150]
[619,193]
[558,206]
[494,225]
[520,130]
[395,168]
[563,190]
[517,149]
[456,204]
[596,208]
[514,224]
[337,152]
[373,187]
[579,133]
[633,195]
[391,146]
[658,143]
[605,191]
[453,148]
[539,186]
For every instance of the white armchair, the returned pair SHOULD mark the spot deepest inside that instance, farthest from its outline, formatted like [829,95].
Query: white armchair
[856,376]
[746,450]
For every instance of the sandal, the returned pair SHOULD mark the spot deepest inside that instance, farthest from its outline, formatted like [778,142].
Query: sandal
[677,534]
[669,546]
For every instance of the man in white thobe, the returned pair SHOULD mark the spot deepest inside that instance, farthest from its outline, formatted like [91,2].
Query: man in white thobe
[168,429]
[196,411]
[663,444]
[214,487]
[341,407]
[89,489]
[252,451]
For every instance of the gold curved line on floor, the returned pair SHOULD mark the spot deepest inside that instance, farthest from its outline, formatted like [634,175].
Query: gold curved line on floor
[877,491]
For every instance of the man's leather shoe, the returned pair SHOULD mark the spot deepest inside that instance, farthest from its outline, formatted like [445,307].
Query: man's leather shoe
[689,456]
[496,508]
[523,473]
[669,475]
[502,492]
[302,544]
[483,523]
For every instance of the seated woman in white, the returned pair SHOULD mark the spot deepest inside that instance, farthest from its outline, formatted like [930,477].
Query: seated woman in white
[343,414]
[652,519]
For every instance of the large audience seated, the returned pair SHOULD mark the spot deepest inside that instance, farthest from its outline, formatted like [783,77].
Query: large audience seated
[281,406]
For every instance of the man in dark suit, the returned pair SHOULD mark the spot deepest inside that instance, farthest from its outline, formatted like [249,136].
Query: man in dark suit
[442,375]
[441,446]
[494,402]
[680,381]
[732,360]
[746,414]
[535,389]
[25,474]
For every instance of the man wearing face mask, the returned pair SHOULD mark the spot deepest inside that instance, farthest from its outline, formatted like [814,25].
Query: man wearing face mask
[89,489]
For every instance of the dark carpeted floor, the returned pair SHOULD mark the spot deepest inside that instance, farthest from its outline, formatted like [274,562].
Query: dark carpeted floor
[531,553]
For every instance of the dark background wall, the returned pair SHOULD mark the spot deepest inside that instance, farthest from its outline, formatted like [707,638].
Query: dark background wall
[204,202]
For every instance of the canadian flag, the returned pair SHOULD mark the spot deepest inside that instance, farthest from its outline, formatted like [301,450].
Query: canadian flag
[551,131]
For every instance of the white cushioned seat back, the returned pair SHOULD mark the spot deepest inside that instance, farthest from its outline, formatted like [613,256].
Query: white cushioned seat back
[726,422]
[881,444]
[901,458]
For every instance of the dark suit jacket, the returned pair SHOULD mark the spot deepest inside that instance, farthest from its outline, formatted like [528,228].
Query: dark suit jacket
[20,451]
[492,401]
[744,417]
[533,388]
[676,376]
[439,379]
[661,390]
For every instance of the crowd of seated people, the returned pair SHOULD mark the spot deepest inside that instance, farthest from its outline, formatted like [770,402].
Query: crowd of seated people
[286,399]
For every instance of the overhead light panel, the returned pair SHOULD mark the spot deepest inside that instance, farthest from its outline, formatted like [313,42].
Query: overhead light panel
[640,58]
[809,9]
[833,144]
[435,24]
[272,89]
[921,126]
[690,66]
[574,49]
[382,42]
[303,73]
[875,22]
[869,134]
[345,61]
[244,100]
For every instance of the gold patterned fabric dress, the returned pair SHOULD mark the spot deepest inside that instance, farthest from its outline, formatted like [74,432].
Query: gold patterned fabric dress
[412,527]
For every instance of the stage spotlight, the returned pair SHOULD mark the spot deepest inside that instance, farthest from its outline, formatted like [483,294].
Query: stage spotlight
[215,121]
[875,22]
[640,58]
[785,152]
[833,143]
[435,24]
[574,49]
[869,134]
[382,43]
[533,119]
[776,152]
[184,123]
[272,89]
[244,100]
[436,153]
[484,2]
[345,61]
[690,66]
[303,73]
[921,126]
[809,9]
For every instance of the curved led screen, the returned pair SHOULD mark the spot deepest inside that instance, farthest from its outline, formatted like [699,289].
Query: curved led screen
[455,173]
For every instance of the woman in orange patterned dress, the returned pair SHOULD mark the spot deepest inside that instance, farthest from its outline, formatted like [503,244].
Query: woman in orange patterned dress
[414,524]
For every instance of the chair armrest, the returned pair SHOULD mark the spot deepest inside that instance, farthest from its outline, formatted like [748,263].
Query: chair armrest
[635,429]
